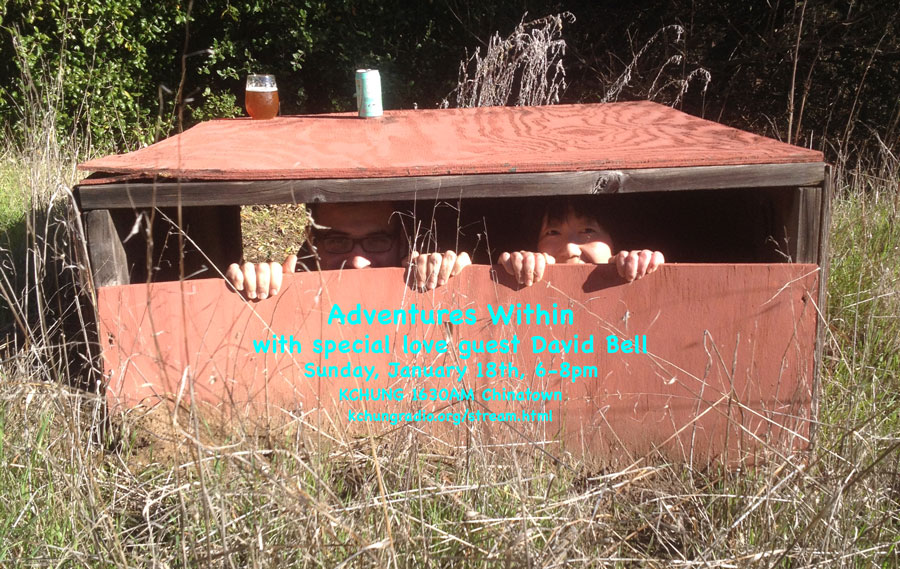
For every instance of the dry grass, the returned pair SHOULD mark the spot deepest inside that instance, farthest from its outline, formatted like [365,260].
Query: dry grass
[662,77]
[78,488]
[523,69]
[155,490]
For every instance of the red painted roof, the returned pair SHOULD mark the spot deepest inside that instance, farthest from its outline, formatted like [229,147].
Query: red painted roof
[451,141]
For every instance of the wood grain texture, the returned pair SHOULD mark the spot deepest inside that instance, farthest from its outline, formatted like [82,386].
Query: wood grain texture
[487,140]
[727,376]
[195,193]
[803,230]
[109,264]
[824,261]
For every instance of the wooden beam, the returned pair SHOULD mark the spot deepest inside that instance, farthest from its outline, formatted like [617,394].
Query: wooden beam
[109,264]
[805,225]
[824,262]
[723,177]
[205,193]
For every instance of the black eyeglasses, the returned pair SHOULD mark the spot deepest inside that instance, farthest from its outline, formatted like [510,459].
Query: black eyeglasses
[337,244]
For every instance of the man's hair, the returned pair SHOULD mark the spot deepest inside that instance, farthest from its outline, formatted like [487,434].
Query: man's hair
[313,209]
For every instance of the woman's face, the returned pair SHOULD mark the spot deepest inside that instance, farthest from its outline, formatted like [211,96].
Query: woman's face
[575,239]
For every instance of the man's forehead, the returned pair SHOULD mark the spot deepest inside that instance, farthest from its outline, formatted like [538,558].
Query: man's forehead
[332,232]
[356,218]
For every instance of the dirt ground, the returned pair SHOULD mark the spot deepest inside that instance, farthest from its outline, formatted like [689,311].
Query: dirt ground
[271,232]
[166,434]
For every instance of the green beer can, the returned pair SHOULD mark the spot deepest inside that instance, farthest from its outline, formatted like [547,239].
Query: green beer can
[368,93]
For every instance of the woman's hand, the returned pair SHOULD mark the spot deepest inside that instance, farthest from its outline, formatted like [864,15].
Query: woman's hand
[633,265]
[527,266]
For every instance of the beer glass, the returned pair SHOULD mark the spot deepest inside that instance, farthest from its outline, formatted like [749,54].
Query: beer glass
[261,97]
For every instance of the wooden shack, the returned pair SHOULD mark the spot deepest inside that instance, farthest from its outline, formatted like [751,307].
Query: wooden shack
[731,326]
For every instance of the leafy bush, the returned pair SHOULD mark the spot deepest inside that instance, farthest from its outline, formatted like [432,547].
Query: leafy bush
[103,56]
[123,80]
[804,72]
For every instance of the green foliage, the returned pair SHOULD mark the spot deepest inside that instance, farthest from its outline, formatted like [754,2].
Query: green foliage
[113,68]
[819,74]
[314,48]
[13,194]
[863,301]
[93,57]
[809,72]
[216,105]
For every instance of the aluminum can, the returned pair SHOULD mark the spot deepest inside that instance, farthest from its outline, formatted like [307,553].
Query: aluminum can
[368,93]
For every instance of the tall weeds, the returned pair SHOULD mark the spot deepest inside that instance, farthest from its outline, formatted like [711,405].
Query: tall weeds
[523,69]
[158,490]
[43,306]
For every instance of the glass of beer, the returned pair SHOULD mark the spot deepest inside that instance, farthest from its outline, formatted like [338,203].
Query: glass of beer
[261,97]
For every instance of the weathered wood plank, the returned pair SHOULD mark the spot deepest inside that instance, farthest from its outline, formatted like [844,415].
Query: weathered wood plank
[824,262]
[109,265]
[804,225]
[145,194]
[723,177]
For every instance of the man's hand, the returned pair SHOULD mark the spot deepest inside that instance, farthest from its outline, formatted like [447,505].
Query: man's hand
[259,281]
[526,266]
[435,269]
[633,265]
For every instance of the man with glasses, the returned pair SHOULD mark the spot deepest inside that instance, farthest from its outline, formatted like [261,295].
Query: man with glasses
[351,236]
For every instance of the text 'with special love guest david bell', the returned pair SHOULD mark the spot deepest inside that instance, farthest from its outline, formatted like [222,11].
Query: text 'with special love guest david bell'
[463,366]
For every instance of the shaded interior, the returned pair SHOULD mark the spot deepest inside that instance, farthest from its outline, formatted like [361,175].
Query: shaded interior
[705,226]
[712,226]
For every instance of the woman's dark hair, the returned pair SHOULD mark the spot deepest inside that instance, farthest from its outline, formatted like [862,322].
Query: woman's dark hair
[556,209]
